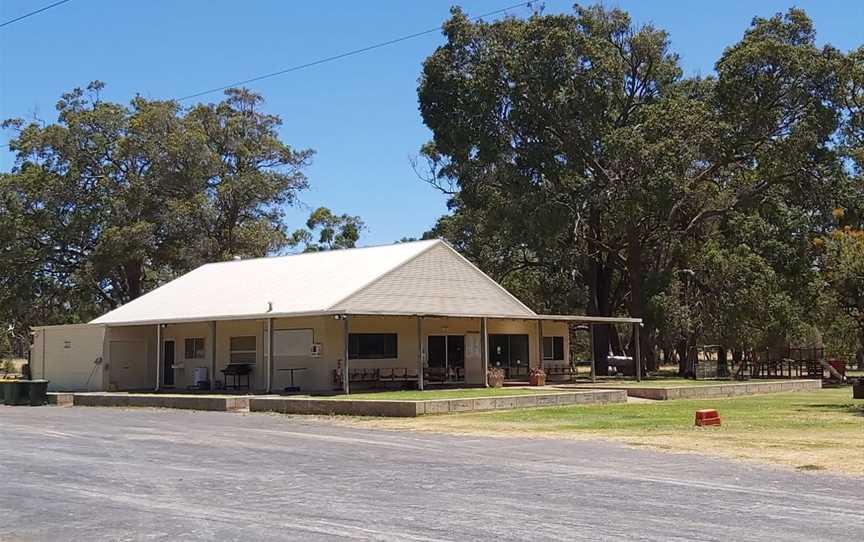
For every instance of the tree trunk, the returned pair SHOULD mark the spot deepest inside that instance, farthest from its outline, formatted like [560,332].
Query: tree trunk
[600,281]
[683,358]
[134,272]
[651,359]
[859,355]
[737,357]
[722,363]
[601,349]
[634,270]
[600,291]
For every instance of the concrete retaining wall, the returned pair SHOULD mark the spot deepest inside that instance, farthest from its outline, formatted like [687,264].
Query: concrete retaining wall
[723,390]
[185,402]
[61,399]
[293,405]
[436,406]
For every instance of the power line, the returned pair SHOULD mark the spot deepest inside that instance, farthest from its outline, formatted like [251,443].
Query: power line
[540,7]
[349,53]
[40,10]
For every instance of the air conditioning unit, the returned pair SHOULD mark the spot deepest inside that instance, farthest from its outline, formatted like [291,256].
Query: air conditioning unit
[317,348]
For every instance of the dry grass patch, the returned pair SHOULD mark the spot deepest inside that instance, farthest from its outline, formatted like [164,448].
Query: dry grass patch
[822,430]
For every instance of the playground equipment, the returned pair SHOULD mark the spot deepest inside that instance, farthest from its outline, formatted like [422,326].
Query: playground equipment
[789,362]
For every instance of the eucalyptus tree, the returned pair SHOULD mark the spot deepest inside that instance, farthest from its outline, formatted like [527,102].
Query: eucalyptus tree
[249,175]
[327,231]
[578,136]
[112,200]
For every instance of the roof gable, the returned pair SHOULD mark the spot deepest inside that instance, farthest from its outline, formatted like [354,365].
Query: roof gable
[438,281]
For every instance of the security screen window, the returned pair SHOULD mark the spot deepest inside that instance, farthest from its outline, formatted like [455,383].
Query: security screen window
[372,346]
[242,350]
[194,348]
[553,348]
[508,350]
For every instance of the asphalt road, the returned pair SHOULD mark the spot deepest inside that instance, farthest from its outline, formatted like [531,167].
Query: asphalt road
[110,474]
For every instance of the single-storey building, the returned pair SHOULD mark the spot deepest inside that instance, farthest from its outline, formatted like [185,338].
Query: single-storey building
[415,312]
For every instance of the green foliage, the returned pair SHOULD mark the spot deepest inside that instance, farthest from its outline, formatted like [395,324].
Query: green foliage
[333,231]
[843,265]
[113,199]
[585,169]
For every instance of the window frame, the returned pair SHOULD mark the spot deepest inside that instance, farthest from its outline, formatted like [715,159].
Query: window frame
[554,339]
[194,350]
[354,353]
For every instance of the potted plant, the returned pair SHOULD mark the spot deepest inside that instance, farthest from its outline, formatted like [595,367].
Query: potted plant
[495,377]
[537,377]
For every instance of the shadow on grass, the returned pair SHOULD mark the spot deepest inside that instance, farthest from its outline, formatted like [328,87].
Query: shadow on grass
[849,408]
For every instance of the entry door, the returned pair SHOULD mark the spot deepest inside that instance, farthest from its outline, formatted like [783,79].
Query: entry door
[168,363]
[446,358]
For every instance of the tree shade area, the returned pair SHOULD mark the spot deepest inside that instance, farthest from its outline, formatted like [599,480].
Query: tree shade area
[587,173]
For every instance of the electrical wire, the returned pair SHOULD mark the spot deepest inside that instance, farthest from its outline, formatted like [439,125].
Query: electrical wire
[347,53]
[40,10]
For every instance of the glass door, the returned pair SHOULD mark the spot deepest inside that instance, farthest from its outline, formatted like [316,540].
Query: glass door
[455,358]
[510,353]
[446,358]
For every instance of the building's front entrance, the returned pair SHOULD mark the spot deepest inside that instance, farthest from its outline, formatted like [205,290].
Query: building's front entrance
[510,353]
[446,358]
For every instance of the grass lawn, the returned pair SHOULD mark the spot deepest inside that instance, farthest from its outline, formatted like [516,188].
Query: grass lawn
[821,430]
[414,395]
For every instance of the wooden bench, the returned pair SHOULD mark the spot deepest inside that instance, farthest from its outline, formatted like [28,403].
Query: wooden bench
[440,374]
[567,372]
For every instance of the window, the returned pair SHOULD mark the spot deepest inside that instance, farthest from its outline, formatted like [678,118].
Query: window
[372,346]
[508,350]
[194,347]
[242,350]
[553,348]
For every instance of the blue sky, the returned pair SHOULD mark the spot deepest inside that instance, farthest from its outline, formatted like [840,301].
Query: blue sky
[359,114]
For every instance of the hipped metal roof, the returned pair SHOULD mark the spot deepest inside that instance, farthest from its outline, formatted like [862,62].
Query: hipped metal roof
[424,278]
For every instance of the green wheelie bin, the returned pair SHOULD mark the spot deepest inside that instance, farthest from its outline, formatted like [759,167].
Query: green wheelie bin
[38,392]
[15,392]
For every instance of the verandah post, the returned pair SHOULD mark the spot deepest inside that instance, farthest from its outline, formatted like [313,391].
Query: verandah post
[484,349]
[345,379]
[158,356]
[269,384]
[419,353]
[212,355]
[540,343]
[637,352]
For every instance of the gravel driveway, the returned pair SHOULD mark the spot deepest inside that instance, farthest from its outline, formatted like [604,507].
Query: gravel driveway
[112,474]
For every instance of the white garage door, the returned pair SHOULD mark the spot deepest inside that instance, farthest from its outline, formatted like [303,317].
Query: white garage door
[128,365]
